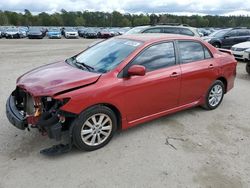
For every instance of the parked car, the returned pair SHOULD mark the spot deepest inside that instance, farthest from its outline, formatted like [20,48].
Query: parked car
[70,33]
[104,34]
[226,38]
[118,83]
[241,51]
[35,33]
[91,33]
[82,32]
[168,29]
[3,30]
[54,33]
[14,33]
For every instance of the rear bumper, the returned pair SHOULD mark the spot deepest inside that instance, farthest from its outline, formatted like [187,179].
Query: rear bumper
[13,115]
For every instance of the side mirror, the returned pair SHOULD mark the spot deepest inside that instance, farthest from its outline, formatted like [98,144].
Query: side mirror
[226,36]
[136,70]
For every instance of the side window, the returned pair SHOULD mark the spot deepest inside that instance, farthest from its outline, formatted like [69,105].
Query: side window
[186,32]
[243,32]
[157,56]
[171,30]
[233,33]
[155,30]
[191,51]
[207,53]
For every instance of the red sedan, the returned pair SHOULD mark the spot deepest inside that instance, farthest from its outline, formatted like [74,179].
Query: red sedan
[119,83]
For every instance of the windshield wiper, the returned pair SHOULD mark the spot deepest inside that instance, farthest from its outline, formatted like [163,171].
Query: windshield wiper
[84,65]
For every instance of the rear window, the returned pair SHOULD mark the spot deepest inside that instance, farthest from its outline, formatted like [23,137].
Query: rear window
[155,30]
[186,32]
[171,30]
[193,51]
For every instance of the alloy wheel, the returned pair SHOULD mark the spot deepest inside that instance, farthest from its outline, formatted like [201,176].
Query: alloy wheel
[96,129]
[215,95]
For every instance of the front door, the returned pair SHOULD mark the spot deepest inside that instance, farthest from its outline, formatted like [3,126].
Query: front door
[159,89]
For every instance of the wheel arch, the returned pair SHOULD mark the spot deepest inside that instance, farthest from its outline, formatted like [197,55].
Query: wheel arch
[113,108]
[224,81]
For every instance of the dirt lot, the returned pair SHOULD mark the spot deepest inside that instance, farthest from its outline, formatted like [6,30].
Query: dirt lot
[209,148]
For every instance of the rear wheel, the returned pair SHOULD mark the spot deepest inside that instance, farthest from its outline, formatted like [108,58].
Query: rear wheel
[94,128]
[214,95]
[248,67]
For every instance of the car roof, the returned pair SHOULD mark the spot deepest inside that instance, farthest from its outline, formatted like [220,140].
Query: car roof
[151,37]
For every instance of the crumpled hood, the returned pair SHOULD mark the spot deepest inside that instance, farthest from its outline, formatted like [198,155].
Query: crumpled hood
[54,78]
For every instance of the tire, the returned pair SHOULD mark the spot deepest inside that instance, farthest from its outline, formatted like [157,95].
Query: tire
[211,101]
[248,67]
[217,45]
[94,138]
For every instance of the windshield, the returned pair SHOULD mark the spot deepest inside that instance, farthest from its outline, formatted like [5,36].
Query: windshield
[135,30]
[106,55]
[54,30]
[70,30]
[219,33]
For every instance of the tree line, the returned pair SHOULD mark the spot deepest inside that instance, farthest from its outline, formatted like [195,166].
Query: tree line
[116,19]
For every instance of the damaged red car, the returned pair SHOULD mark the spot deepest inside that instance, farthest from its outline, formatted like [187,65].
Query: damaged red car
[119,83]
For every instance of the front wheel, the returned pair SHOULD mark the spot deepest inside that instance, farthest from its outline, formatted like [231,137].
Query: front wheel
[94,128]
[248,67]
[214,95]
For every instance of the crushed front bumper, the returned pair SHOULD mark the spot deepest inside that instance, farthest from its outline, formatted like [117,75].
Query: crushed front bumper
[13,114]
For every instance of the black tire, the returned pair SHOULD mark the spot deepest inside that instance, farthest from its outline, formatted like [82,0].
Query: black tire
[217,45]
[248,67]
[207,104]
[83,117]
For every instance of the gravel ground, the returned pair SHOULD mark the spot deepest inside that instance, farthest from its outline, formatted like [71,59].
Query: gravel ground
[193,148]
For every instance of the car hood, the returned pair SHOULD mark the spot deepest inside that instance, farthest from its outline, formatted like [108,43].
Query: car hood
[58,77]
[54,32]
[11,32]
[35,33]
[71,32]
[242,45]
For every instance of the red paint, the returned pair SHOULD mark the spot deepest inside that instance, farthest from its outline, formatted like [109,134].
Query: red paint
[138,98]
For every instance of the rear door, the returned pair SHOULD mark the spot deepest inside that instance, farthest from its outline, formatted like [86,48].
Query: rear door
[243,36]
[197,69]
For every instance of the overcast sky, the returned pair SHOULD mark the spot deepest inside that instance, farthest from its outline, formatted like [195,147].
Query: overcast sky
[181,7]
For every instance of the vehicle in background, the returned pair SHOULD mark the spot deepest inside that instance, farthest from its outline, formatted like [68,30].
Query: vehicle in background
[35,33]
[0,34]
[204,31]
[82,32]
[167,29]
[123,30]
[54,33]
[91,33]
[14,33]
[226,38]
[70,33]
[105,33]
[114,32]
[241,51]
[111,86]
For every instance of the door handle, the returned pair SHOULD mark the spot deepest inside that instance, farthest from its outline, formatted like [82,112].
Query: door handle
[211,66]
[174,74]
